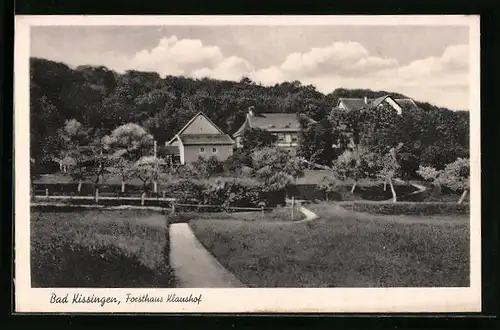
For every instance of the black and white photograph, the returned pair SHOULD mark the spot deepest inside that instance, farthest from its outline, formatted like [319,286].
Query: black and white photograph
[187,164]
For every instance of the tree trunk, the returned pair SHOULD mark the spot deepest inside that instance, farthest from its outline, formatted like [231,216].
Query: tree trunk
[326,196]
[353,187]
[464,194]
[123,186]
[385,185]
[80,186]
[393,191]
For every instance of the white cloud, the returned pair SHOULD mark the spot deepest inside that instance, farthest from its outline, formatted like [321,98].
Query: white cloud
[344,58]
[172,56]
[231,68]
[442,80]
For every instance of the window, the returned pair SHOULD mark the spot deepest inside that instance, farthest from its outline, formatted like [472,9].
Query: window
[281,138]
[294,138]
[202,149]
[214,150]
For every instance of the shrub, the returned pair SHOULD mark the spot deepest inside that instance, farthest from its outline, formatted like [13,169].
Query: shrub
[407,208]
[207,167]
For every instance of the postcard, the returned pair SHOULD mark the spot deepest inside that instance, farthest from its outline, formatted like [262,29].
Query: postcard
[247,164]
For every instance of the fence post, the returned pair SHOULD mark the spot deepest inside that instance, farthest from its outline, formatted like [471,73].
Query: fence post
[142,198]
[262,210]
[97,195]
[163,194]
[47,193]
[173,207]
[293,205]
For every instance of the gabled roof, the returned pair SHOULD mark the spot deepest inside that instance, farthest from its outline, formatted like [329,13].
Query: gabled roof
[196,116]
[375,103]
[358,103]
[407,103]
[353,103]
[190,122]
[243,127]
[201,139]
[274,122]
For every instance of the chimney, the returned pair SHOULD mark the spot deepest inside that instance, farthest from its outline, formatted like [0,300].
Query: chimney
[366,100]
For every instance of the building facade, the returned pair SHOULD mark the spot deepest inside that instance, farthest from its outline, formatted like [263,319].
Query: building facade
[284,125]
[201,137]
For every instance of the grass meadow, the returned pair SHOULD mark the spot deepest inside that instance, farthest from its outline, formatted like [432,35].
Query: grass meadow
[343,249]
[99,249]
[277,215]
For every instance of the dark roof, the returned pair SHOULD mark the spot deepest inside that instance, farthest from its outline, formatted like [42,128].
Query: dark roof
[358,103]
[352,103]
[273,122]
[407,103]
[375,103]
[168,150]
[195,139]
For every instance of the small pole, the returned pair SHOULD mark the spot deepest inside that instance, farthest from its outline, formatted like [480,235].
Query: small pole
[293,205]
[154,149]
[47,193]
[262,210]
[173,207]
[163,194]
[97,195]
[142,198]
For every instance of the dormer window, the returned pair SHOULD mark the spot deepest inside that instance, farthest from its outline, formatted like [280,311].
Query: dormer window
[271,126]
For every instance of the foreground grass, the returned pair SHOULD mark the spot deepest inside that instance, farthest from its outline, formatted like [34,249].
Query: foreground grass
[97,248]
[343,249]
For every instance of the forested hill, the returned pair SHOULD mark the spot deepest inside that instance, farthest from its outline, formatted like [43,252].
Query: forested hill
[103,99]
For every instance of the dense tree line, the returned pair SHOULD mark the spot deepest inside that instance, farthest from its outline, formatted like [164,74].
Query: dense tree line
[102,100]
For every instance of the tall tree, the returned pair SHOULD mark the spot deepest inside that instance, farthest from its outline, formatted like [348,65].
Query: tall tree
[391,168]
[355,165]
[456,176]
[130,140]
[276,168]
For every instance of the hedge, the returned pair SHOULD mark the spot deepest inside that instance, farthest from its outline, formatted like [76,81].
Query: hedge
[407,208]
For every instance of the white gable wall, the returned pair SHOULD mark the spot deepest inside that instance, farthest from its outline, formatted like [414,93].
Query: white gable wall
[393,104]
[181,151]
[200,125]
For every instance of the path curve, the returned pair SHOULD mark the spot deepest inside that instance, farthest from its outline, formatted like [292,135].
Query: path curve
[193,265]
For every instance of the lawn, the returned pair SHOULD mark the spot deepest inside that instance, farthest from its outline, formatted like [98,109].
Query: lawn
[343,249]
[277,215]
[100,249]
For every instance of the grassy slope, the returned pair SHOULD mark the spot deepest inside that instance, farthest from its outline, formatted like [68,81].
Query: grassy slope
[343,249]
[99,249]
[280,214]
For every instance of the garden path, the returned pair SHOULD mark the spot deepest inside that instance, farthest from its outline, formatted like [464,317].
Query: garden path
[193,265]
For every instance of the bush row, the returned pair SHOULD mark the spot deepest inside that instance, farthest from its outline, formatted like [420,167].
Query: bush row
[226,192]
[407,208]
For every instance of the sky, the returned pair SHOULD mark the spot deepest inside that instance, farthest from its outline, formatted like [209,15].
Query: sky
[427,63]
